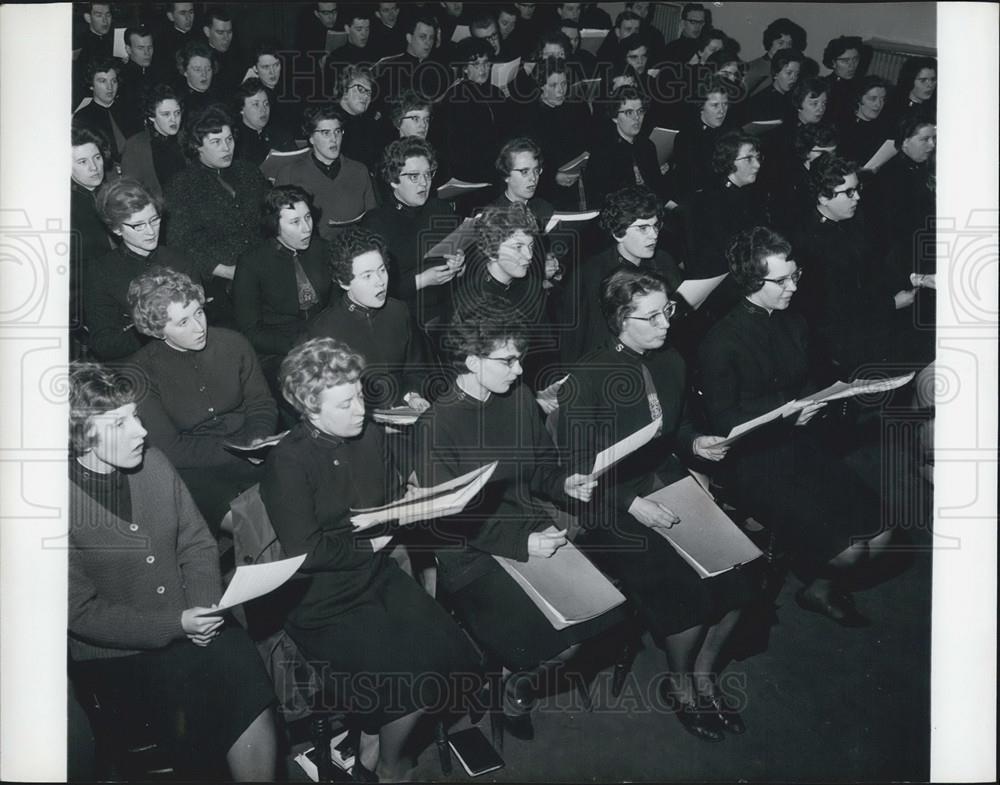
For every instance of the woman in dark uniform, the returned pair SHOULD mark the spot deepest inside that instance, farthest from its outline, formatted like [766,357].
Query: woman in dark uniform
[487,414]
[143,572]
[754,360]
[613,392]
[389,646]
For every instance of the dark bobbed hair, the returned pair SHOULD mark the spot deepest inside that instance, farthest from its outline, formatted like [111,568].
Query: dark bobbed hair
[479,326]
[909,70]
[470,49]
[117,200]
[395,154]
[747,256]
[715,34]
[630,204]
[156,94]
[281,197]
[619,290]
[814,135]
[870,82]
[553,36]
[140,30]
[826,173]
[348,246]
[195,48]
[837,46]
[81,135]
[549,66]
[428,19]
[407,101]
[727,148]
[315,115]
[910,124]
[268,46]
[784,26]
[151,293]
[210,119]
[498,223]
[98,65]
[521,144]
[216,12]
[247,89]
[94,390]
[314,366]
[694,7]
[784,57]
[810,87]
[626,16]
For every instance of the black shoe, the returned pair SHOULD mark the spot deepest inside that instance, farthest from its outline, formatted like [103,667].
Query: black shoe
[838,607]
[725,713]
[702,723]
[519,726]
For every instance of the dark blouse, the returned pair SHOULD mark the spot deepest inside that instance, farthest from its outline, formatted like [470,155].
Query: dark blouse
[195,402]
[460,433]
[394,360]
[616,163]
[561,132]
[311,482]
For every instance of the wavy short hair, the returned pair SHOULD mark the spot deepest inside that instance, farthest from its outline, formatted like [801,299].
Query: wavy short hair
[469,50]
[406,102]
[909,70]
[348,246]
[478,327]
[909,124]
[98,65]
[727,149]
[747,256]
[156,94]
[814,135]
[619,96]
[119,199]
[784,26]
[352,73]
[867,83]
[619,290]
[94,390]
[208,120]
[630,204]
[314,366]
[315,115]
[497,224]
[549,66]
[784,57]
[248,89]
[395,154]
[810,87]
[281,197]
[152,293]
[837,46]
[826,173]
[521,144]
[81,135]
[192,49]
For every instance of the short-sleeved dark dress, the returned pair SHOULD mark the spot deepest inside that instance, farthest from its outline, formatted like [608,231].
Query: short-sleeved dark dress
[458,434]
[752,362]
[390,647]
[608,396]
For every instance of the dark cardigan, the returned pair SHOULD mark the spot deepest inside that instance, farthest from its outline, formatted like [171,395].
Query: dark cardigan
[129,581]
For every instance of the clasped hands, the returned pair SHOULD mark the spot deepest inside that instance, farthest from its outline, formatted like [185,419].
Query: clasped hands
[200,629]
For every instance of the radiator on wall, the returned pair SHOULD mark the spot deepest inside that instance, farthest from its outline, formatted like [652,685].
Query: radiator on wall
[888,56]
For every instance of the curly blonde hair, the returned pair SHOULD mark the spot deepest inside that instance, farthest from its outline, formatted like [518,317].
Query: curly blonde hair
[314,366]
[151,294]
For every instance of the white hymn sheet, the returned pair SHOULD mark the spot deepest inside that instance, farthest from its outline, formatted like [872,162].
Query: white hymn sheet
[608,457]
[255,580]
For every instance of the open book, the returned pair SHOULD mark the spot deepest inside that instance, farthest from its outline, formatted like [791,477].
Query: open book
[455,187]
[335,39]
[575,166]
[839,390]
[460,33]
[705,537]
[255,580]
[663,139]
[463,236]
[609,456]
[760,421]
[696,290]
[882,155]
[592,38]
[558,218]
[566,587]
[424,504]
[760,127]
[501,74]
[397,415]
[258,450]
[586,89]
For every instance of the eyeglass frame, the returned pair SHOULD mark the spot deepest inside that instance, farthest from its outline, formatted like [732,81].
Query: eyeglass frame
[508,361]
[633,114]
[524,171]
[794,277]
[363,89]
[666,314]
[850,193]
[415,177]
[152,223]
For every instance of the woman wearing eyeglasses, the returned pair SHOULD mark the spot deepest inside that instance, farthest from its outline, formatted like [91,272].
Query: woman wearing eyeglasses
[134,216]
[485,415]
[752,361]
[611,393]
[362,133]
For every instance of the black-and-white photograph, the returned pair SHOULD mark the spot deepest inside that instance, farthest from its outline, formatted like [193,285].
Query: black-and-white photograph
[541,392]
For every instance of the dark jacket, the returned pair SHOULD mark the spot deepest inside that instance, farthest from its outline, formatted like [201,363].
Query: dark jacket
[266,297]
[613,164]
[474,120]
[152,160]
